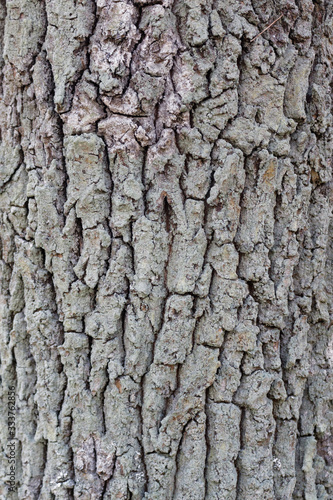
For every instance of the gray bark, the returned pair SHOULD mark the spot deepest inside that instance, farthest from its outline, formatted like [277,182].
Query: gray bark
[166,248]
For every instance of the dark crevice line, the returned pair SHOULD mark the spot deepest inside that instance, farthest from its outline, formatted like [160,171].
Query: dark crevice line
[207,442]
[237,460]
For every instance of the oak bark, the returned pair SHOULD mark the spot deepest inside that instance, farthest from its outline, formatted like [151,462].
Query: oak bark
[166,245]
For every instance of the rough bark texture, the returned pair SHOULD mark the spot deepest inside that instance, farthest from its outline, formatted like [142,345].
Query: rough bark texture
[166,248]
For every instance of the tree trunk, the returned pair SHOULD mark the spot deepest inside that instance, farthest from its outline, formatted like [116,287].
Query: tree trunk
[166,249]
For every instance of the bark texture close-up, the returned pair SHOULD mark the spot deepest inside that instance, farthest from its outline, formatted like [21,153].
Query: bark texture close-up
[166,249]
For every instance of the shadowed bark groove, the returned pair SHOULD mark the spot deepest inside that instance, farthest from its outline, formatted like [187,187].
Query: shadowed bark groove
[166,248]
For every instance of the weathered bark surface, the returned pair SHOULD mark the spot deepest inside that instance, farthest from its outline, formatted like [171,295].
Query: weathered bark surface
[166,248]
